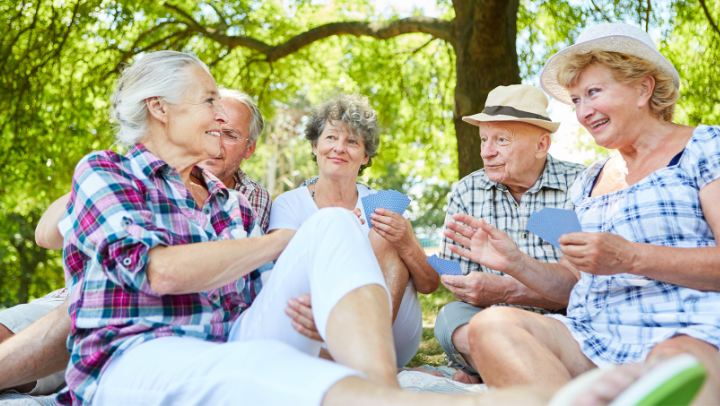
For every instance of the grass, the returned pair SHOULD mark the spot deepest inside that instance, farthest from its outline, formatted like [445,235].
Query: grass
[430,351]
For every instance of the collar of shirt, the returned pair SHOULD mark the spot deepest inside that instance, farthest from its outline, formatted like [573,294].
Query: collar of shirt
[151,165]
[241,178]
[552,177]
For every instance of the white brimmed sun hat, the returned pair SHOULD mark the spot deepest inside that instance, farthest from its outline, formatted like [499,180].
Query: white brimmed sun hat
[611,37]
[523,103]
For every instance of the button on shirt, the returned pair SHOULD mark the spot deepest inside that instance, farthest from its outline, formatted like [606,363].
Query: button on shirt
[477,196]
[120,208]
[257,195]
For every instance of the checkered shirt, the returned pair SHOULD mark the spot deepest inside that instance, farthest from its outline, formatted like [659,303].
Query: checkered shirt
[257,195]
[120,208]
[477,196]
[619,318]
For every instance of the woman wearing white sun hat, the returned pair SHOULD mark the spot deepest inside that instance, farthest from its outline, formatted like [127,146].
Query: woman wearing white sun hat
[640,280]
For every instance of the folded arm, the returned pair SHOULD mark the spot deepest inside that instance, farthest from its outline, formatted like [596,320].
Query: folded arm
[204,266]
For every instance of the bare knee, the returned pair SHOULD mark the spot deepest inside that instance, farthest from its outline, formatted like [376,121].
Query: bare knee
[492,324]
[684,345]
[5,333]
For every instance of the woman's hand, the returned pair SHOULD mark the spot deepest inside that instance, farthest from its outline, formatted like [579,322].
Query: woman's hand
[358,213]
[300,311]
[488,245]
[599,253]
[393,227]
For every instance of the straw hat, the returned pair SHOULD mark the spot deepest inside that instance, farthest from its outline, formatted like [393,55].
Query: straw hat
[523,103]
[611,37]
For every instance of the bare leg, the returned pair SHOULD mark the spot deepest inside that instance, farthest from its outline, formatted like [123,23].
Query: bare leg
[461,341]
[359,334]
[393,268]
[357,391]
[5,334]
[37,351]
[516,347]
[706,353]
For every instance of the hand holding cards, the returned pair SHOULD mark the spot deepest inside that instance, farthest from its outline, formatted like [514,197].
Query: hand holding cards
[444,266]
[387,199]
[549,224]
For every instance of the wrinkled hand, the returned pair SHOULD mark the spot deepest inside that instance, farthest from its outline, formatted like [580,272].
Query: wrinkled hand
[488,245]
[393,227]
[479,289]
[358,213]
[300,312]
[599,253]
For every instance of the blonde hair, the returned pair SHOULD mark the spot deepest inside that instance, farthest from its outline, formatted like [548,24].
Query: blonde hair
[628,69]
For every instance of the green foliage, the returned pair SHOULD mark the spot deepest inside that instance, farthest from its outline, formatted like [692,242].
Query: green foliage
[59,61]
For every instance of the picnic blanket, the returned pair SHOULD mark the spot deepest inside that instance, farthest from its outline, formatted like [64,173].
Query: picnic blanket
[13,398]
[414,381]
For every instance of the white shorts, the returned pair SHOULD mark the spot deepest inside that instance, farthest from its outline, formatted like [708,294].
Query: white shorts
[407,328]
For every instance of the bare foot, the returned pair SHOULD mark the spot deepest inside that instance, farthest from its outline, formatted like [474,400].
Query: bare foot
[610,385]
[462,377]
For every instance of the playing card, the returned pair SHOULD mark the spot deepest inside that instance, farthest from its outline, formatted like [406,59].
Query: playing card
[370,202]
[444,266]
[394,201]
[549,224]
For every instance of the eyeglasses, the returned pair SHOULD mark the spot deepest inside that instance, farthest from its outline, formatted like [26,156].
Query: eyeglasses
[231,137]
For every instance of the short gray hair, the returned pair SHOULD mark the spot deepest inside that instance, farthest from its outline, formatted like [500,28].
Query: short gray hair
[157,74]
[257,124]
[356,111]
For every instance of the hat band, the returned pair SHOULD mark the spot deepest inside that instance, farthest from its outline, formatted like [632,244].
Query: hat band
[511,111]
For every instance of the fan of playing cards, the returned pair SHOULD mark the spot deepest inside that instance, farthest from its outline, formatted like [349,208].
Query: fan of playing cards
[444,266]
[387,199]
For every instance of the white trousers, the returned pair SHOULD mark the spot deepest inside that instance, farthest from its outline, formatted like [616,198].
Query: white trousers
[407,328]
[265,362]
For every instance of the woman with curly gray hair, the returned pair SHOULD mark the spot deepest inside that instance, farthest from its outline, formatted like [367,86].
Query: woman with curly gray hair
[344,133]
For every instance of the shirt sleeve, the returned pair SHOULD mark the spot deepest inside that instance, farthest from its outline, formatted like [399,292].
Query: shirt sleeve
[265,209]
[109,221]
[282,215]
[703,164]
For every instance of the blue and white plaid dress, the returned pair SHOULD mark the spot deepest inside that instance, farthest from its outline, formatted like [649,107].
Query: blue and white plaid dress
[620,318]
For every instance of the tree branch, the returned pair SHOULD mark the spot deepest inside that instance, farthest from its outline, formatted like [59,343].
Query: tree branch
[599,10]
[418,24]
[709,17]
[415,50]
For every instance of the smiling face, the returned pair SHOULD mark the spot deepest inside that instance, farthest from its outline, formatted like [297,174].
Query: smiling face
[339,153]
[231,156]
[608,109]
[195,124]
[513,152]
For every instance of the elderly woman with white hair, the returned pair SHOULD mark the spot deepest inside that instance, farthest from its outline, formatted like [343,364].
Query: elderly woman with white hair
[163,270]
[344,135]
[641,280]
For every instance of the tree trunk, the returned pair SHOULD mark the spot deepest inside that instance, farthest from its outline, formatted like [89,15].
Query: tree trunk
[485,35]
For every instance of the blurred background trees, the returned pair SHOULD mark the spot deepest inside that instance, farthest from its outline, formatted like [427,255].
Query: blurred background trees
[59,61]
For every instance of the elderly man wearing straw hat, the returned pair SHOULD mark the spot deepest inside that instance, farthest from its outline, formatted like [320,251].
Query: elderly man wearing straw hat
[519,177]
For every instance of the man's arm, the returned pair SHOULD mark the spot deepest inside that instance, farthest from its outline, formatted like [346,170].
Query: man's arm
[47,234]
[37,351]
[483,289]
[496,250]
